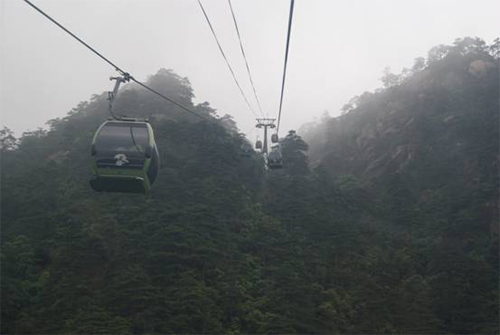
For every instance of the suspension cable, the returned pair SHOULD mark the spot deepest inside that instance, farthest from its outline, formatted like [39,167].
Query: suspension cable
[244,55]
[170,100]
[225,58]
[117,68]
[75,37]
[286,61]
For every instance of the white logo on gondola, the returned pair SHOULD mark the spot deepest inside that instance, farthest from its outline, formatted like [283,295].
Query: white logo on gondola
[121,159]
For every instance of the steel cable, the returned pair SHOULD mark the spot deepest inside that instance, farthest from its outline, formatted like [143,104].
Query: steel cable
[286,62]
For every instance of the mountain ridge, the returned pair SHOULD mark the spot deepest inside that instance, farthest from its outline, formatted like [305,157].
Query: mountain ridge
[386,226]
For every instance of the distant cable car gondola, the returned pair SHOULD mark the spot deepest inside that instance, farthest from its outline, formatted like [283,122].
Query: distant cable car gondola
[274,138]
[246,149]
[258,144]
[275,159]
[125,157]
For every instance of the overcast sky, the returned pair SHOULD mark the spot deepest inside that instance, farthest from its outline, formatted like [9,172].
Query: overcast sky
[338,49]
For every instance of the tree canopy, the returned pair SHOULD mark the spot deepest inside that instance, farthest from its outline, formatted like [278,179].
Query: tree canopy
[383,220]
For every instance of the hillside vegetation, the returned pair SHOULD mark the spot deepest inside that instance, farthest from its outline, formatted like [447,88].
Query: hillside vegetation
[384,220]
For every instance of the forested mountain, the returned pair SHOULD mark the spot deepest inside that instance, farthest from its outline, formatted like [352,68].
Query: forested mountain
[383,220]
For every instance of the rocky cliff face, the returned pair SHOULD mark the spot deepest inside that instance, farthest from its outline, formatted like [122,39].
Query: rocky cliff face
[447,111]
[434,131]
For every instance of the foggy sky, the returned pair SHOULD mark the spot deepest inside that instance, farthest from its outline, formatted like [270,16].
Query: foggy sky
[338,49]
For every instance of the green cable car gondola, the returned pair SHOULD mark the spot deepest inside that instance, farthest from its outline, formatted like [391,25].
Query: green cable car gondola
[275,159]
[125,157]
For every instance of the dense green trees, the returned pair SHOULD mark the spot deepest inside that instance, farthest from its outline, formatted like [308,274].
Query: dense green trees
[388,226]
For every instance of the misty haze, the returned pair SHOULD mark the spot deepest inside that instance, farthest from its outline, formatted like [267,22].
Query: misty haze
[249,166]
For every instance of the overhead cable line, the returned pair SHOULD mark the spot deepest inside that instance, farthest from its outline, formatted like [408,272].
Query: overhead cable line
[225,58]
[170,100]
[117,68]
[244,56]
[286,61]
[75,37]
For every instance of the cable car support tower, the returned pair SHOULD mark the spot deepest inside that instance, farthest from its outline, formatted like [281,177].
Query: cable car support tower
[265,123]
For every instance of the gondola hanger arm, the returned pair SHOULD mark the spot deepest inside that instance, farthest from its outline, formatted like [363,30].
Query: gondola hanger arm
[112,95]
